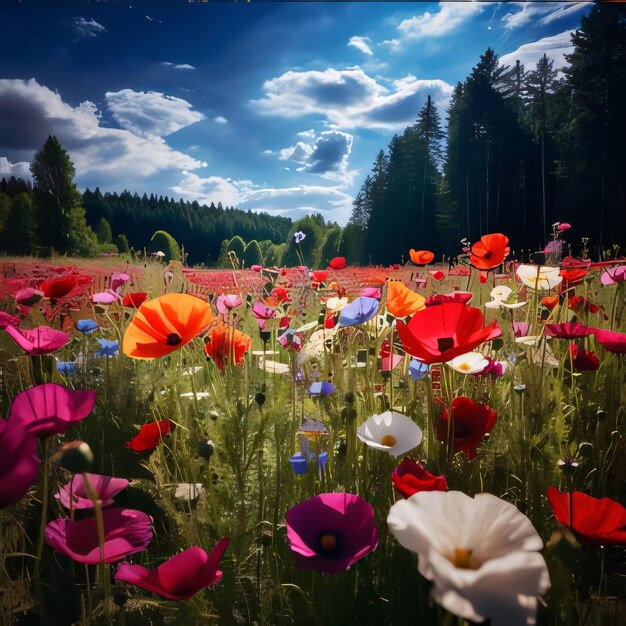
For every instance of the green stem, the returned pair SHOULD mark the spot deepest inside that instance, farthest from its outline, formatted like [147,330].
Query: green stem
[44,504]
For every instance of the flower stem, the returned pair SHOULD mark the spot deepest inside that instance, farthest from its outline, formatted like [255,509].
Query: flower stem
[44,504]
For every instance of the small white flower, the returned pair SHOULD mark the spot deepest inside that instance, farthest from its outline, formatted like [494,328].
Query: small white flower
[469,363]
[391,432]
[481,553]
[335,303]
[539,277]
[500,295]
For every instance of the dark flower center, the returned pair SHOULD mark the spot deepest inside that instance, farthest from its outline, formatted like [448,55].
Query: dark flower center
[445,343]
[173,339]
[488,255]
[330,544]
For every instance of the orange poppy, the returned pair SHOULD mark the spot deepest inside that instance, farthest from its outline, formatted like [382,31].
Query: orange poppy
[165,324]
[224,343]
[402,301]
[490,251]
[550,301]
[421,257]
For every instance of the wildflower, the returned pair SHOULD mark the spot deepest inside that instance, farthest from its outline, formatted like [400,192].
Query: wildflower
[402,301]
[226,302]
[609,340]
[134,299]
[567,330]
[118,280]
[338,263]
[500,296]
[290,339]
[58,287]
[321,389]
[225,344]
[19,463]
[421,257]
[437,274]
[182,576]
[438,334]
[125,532]
[74,495]
[165,324]
[613,275]
[331,531]
[411,477]
[489,252]
[50,409]
[390,432]
[417,369]
[40,340]
[464,297]
[359,311]
[262,312]
[371,292]
[469,363]
[299,236]
[107,348]
[87,326]
[28,296]
[66,368]
[592,520]
[539,277]
[150,435]
[105,297]
[481,554]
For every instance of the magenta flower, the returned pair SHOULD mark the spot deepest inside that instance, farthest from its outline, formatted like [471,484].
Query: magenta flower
[28,296]
[40,340]
[608,339]
[613,275]
[370,292]
[520,329]
[263,312]
[6,319]
[331,531]
[182,576]
[18,462]
[118,280]
[105,487]
[50,409]
[125,532]
[226,302]
[568,330]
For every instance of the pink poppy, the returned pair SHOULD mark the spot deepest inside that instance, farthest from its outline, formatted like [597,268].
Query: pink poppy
[119,280]
[611,341]
[28,296]
[182,576]
[125,532]
[612,275]
[256,268]
[263,312]
[105,297]
[568,330]
[105,487]
[371,292]
[50,409]
[18,461]
[6,319]
[226,302]
[520,329]
[40,340]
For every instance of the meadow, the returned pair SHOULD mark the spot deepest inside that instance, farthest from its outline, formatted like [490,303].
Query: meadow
[318,436]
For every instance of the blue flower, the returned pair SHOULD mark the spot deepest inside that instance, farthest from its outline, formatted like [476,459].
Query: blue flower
[87,326]
[361,310]
[298,464]
[108,348]
[299,236]
[417,369]
[66,368]
[321,388]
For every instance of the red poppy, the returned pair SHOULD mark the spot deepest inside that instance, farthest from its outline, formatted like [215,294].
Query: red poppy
[610,340]
[572,275]
[279,295]
[568,330]
[330,319]
[338,263]
[55,288]
[437,275]
[319,276]
[225,343]
[410,478]
[593,520]
[150,435]
[456,296]
[584,360]
[489,252]
[439,333]
[134,299]
[550,301]
[472,421]
[578,304]
[421,257]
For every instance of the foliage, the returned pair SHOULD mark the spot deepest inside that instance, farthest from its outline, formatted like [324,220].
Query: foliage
[164,242]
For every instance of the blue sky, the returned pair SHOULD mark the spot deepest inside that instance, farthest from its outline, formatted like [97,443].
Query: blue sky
[266,106]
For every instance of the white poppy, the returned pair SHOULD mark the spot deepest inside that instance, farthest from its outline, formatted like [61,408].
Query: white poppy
[539,277]
[335,303]
[481,553]
[469,363]
[500,295]
[391,432]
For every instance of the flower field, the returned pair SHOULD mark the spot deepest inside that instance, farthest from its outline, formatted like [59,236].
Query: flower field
[418,444]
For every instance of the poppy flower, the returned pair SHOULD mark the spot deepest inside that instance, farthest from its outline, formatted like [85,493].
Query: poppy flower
[226,302]
[66,368]
[411,477]
[359,311]
[539,277]
[318,276]
[125,532]
[437,275]
[481,553]
[573,275]
[331,531]
[489,252]
[464,297]
[28,296]
[19,463]
[262,312]
[224,344]
[580,304]
[501,296]
[421,257]
[493,368]
[567,330]
[150,435]
[58,287]
[601,521]
[417,369]
[609,340]
[472,421]
[134,299]
[613,275]
[87,326]
[469,363]
[165,324]
[520,329]
[73,495]
[180,577]
[280,295]
[290,339]
[550,301]
[438,334]
[299,236]
[118,280]
[50,409]
[390,432]
[7,319]
[584,360]
[40,340]
[338,263]
[402,301]
[371,292]
[105,297]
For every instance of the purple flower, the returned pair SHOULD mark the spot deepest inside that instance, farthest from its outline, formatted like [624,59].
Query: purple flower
[361,310]
[105,487]
[87,326]
[299,236]
[18,461]
[118,280]
[331,531]
[125,532]
[321,388]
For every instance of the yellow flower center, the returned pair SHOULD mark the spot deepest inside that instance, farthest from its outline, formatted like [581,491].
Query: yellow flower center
[328,542]
[389,441]
[462,558]
[465,367]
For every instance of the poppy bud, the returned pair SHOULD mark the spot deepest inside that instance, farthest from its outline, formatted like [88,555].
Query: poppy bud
[266,538]
[265,335]
[348,414]
[76,457]
[585,449]
[349,397]
[205,449]
[259,398]
[497,343]
[601,415]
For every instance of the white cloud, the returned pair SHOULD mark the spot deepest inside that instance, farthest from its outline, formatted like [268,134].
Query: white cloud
[19,170]
[555,47]
[178,66]
[349,98]
[208,189]
[436,24]
[148,114]
[220,120]
[29,112]
[361,44]
[88,27]
[540,13]
[299,153]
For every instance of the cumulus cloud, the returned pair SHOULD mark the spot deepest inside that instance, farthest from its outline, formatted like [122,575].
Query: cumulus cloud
[148,114]
[84,27]
[19,170]
[349,98]
[29,112]
[436,24]
[209,189]
[539,13]
[178,66]
[361,43]
[555,47]
[220,119]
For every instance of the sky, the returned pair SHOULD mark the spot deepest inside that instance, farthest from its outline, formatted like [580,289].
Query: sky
[269,106]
